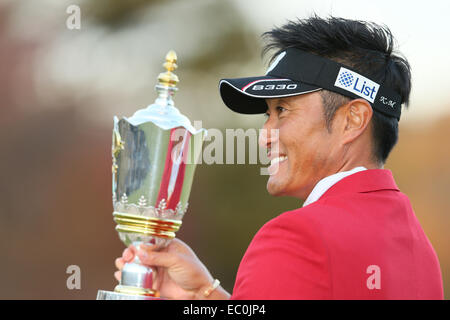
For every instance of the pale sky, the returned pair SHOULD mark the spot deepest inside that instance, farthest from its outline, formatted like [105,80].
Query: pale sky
[422,30]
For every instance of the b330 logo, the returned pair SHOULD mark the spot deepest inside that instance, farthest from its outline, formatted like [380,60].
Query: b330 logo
[291,86]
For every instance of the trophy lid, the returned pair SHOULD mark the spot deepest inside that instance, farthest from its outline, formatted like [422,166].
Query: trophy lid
[162,112]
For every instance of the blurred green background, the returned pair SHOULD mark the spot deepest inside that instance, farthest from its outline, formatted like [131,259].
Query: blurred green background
[59,91]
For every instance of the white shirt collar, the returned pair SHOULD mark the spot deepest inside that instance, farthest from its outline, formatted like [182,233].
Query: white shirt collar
[326,183]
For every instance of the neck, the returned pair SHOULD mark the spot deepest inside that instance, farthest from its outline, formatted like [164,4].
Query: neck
[353,164]
[357,155]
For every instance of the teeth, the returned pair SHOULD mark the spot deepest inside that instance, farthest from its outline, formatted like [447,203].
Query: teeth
[277,160]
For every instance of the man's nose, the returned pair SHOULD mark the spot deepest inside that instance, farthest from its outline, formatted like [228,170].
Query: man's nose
[263,138]
[267,135]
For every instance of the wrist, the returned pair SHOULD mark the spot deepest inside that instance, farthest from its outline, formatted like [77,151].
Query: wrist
[212,291]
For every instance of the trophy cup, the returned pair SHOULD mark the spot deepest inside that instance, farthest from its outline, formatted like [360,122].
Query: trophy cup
[154,155]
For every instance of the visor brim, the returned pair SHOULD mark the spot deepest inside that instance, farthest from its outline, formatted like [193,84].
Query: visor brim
[247,95]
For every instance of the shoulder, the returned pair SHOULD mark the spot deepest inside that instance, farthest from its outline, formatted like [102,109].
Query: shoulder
[293,234]
[304,222]
[303,234]
[289,252]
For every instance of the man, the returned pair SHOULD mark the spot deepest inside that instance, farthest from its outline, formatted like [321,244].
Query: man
[333,97]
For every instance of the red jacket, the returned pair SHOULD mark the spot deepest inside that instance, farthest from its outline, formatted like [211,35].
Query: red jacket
[360,240]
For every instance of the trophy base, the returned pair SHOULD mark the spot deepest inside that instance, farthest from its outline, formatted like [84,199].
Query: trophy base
[112,295]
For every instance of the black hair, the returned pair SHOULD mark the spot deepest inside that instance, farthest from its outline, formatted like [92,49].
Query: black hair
[366,47]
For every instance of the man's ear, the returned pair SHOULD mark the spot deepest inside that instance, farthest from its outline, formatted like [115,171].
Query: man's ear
[356,115]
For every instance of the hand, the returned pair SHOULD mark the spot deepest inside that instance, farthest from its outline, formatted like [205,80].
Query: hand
[179,273]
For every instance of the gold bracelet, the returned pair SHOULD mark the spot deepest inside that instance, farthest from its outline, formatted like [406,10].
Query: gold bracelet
[213,287]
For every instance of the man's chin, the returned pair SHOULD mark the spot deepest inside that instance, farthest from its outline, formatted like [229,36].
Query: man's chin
[274,189]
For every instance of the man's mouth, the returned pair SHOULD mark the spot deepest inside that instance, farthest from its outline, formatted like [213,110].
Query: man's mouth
[275,163]
[277,160]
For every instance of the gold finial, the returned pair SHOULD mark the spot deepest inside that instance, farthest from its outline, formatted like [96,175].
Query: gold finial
[168,78]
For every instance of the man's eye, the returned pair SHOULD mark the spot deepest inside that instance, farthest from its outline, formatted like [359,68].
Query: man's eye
[280,109]
[266,115]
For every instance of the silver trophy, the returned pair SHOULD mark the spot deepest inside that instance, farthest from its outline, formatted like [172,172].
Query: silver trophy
[153,162]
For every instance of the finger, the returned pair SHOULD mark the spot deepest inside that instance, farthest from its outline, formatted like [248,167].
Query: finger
[128,254]
[157,259]
[160,278]
[132,248]
[118,275]
[119,263]
[180,246]
[157,277]
[146,247]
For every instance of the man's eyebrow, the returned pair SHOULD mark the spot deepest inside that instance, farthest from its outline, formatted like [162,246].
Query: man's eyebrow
[275,102]
[290,103]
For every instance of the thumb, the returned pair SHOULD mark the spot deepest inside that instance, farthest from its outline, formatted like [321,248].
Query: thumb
[157,258]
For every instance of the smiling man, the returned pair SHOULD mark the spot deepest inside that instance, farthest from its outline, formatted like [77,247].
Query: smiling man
[333,96]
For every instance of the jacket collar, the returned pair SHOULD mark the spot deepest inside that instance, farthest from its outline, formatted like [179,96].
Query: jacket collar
[364,181]
[326,183]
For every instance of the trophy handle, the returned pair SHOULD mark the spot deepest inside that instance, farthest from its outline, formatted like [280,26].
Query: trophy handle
[117,146]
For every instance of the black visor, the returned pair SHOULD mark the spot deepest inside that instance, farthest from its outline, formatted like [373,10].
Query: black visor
[296,72]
